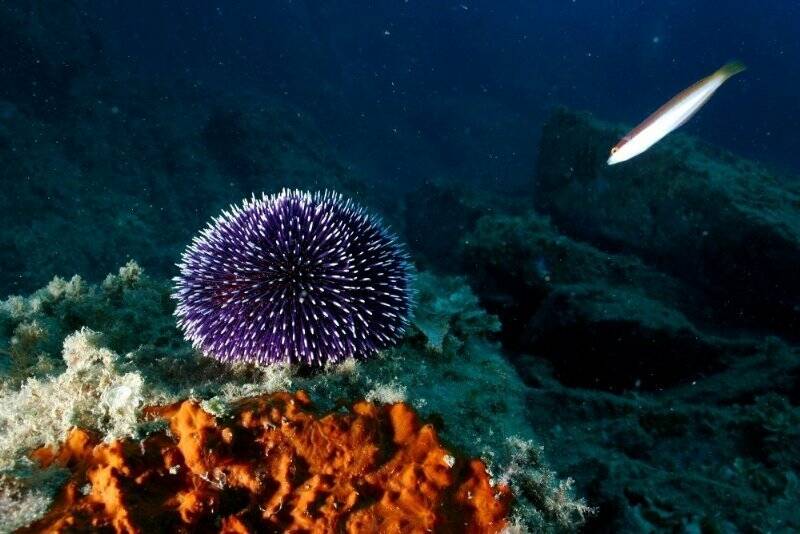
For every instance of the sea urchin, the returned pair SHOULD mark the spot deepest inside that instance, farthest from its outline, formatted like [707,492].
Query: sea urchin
[293,277]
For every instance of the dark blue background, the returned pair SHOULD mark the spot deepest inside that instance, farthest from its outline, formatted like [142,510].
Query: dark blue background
[390,80]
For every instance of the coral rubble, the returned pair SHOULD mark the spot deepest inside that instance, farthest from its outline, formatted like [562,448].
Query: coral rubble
[273,465]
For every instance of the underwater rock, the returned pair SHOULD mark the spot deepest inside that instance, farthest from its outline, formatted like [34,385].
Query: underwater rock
[228,137]
[112,169]
[448,311]
[449,368]
[723,225]
[442,206]
[273,464]
[695,446]
[439,213]
[603,320]
[618,338]
[717,455]
[47,48]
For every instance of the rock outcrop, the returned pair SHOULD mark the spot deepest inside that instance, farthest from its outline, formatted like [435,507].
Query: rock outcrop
[604,320]
[724,225]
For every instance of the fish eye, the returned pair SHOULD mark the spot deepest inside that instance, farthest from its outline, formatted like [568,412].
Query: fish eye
[614,150]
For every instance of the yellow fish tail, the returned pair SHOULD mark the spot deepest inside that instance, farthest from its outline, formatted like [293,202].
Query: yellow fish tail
[731,68]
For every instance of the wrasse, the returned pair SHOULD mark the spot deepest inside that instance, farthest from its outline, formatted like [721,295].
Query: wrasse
[671,115]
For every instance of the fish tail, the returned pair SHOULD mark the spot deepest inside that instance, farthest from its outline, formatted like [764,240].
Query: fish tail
[731,68]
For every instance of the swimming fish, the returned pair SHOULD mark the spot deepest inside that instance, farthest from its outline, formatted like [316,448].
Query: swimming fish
[671,115]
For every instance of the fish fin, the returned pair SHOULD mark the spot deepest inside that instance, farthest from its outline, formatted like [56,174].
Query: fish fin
[731,68]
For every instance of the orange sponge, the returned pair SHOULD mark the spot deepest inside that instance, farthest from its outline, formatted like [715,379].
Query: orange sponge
[275,466]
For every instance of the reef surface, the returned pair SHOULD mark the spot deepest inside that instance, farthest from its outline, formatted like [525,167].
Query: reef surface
[94,356]
[651,308]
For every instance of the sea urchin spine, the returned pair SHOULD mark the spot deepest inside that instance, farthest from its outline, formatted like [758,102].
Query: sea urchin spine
[293,277]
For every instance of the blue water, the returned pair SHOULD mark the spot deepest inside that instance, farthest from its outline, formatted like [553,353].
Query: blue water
[382,68]
[648,314]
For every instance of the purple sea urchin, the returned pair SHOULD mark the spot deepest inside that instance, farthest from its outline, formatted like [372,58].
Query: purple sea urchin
[293,277]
